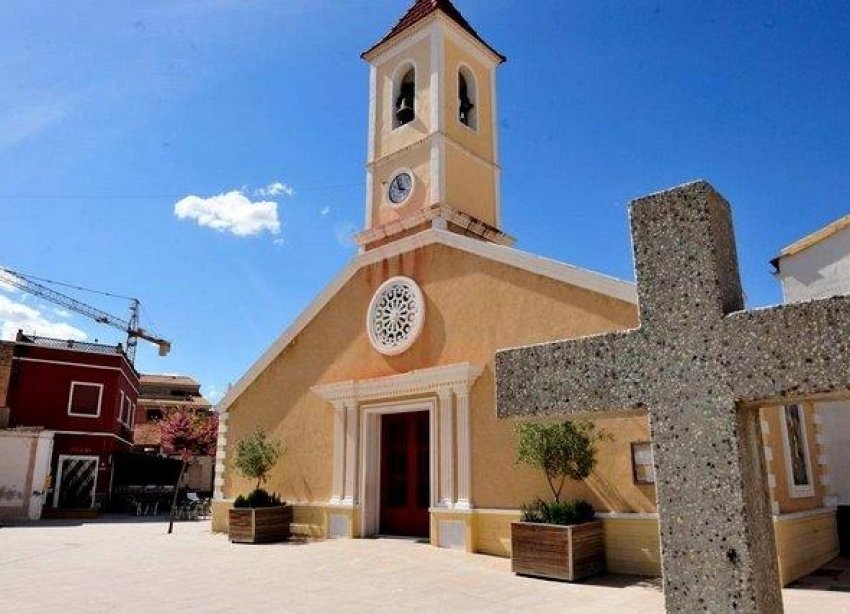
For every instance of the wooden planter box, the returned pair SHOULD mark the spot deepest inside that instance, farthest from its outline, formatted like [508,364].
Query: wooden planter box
[557,552]
[263,525]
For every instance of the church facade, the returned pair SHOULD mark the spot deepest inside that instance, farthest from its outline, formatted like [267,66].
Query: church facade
[383,390]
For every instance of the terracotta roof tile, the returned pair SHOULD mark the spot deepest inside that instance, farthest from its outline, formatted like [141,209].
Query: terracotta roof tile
[161,378]
[424,8]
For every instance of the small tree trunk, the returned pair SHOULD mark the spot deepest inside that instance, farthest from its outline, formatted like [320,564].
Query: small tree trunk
[174,498]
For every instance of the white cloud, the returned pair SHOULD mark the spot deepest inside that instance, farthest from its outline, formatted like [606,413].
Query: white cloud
[276,188]
[230,212]
[344,233]
[325,211]
[5,286]
[17,316]
[213,393]
[27,121]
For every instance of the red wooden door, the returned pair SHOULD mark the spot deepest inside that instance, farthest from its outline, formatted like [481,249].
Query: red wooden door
[405,474]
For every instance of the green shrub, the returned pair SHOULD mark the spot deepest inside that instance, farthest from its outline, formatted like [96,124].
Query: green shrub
[258,498]
[562,451]
[561,513]
[256,455]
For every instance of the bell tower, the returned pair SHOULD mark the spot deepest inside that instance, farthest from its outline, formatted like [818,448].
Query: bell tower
[433,156]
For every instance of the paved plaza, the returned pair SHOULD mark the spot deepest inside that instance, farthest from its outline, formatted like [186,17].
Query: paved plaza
[124,565]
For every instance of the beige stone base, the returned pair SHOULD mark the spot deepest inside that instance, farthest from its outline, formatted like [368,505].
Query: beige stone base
[804,540]
[314,520]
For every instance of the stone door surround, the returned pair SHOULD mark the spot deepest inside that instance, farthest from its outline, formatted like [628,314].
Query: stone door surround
[358,405]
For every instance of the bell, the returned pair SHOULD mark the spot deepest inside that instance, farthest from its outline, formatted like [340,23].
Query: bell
[405,113]
[465,110]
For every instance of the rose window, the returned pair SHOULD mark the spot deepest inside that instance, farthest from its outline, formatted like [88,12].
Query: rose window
[395,316]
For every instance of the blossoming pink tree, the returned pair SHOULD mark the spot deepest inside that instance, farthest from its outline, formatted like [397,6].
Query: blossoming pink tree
[189,435]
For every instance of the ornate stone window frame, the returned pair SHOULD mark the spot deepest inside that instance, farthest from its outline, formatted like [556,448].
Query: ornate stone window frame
[805,490]
[416,325]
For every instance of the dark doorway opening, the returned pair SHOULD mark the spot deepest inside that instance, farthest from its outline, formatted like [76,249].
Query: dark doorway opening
[405,474]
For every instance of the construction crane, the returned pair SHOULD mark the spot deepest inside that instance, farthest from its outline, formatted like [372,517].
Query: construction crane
[31,285]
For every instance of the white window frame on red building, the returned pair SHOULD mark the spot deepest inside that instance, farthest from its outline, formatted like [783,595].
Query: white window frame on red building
[120,417]
[74,384]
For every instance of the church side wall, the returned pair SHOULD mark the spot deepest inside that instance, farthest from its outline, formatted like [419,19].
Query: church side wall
[778,463]
[805,530]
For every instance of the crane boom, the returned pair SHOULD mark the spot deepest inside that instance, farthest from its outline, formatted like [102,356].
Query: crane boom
[131,326]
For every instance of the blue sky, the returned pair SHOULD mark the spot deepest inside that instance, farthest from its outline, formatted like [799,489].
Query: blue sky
[113,112]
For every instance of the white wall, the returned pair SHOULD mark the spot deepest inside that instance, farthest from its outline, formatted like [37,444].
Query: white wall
[16,453]
[822,271]
[24,464]
[835,429]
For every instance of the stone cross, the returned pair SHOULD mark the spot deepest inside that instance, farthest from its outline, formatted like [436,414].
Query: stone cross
[701,366]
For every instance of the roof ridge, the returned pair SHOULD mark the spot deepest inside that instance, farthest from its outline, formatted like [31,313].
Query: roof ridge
[422,9]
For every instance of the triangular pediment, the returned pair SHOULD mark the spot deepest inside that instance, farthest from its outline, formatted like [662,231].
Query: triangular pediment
[565,273]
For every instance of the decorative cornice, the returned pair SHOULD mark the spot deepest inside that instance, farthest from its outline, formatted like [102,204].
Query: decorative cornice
[431,213]
[421,381]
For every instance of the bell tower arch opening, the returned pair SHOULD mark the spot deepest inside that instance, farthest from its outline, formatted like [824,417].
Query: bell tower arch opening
[404,95]
[467,90]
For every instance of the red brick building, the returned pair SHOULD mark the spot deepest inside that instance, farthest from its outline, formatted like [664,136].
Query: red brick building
[158,394]
[85,393]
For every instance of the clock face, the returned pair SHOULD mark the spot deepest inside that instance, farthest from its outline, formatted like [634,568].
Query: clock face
[400,188]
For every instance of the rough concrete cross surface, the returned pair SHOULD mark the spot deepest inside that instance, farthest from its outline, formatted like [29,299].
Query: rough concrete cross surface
[700,366]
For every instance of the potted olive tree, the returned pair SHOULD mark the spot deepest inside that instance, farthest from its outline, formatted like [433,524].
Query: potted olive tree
[558,539]
[259,517]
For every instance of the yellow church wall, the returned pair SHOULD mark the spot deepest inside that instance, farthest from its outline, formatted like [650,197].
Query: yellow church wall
[470,186]
[479,141]
[416,160]
[389,139]
[219,515]
[486,305]
[632,546]
[492,531]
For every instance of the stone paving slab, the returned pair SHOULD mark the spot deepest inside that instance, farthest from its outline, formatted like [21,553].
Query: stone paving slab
[132,566]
